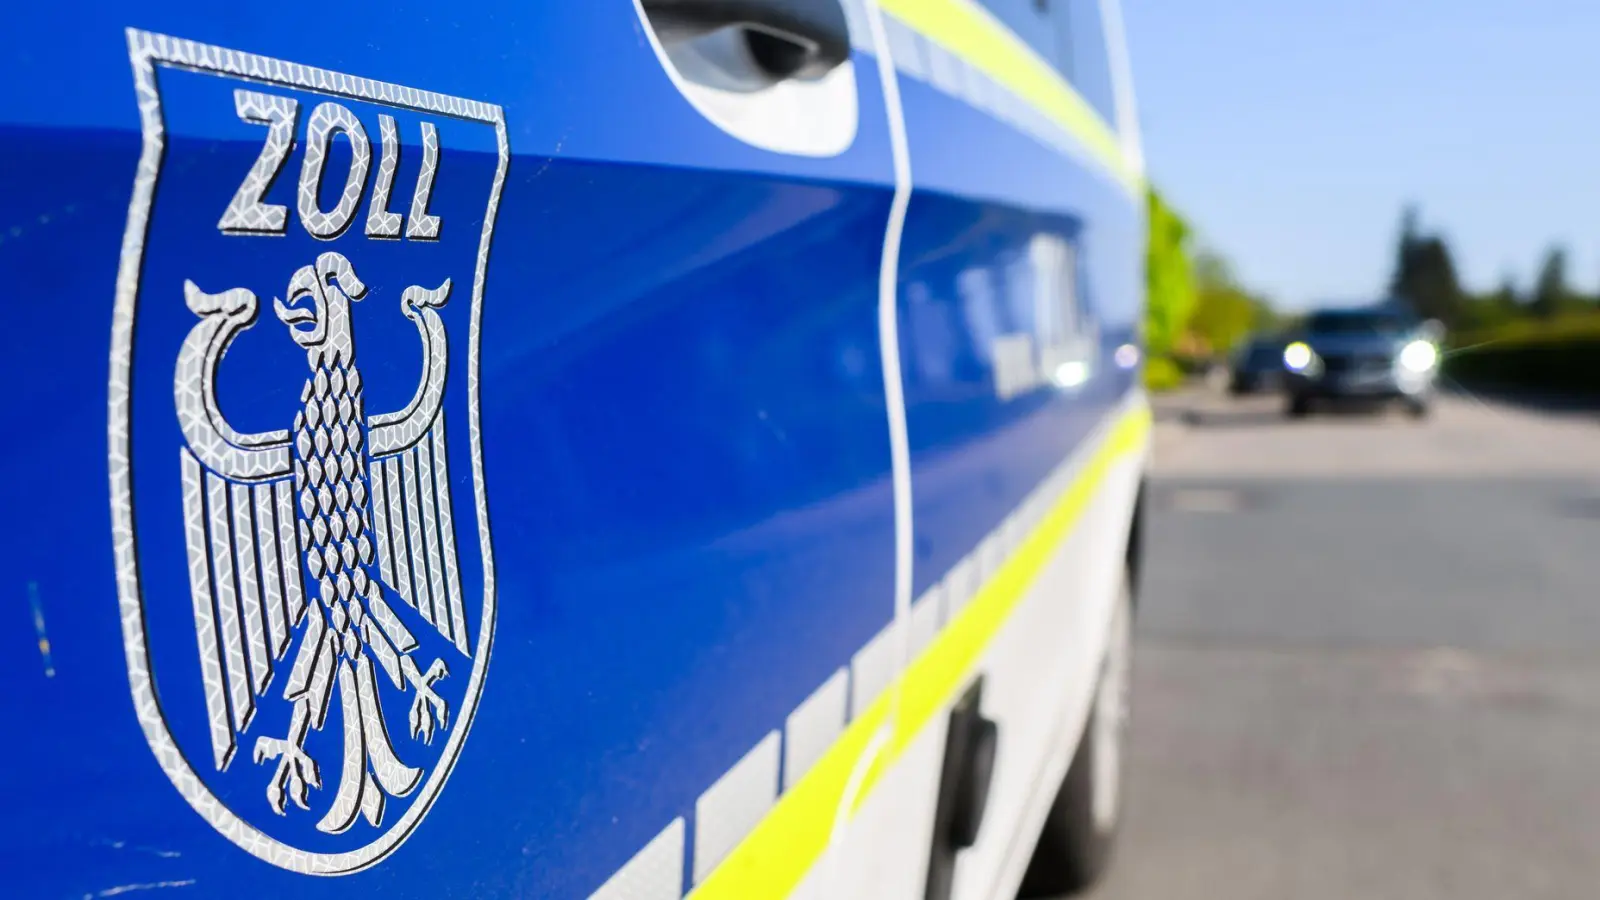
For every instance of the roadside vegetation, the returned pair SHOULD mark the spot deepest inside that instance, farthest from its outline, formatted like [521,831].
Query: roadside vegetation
[1545,337]
[1560,354]
[1197,311]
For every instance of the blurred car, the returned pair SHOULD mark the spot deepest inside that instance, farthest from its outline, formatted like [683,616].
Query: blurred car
[1377,353]
[1256,366]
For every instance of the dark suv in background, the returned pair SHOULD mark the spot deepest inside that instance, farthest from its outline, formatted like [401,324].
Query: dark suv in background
[1376,353]
[1257,365]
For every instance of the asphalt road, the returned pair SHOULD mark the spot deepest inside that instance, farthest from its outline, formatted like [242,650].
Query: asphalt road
[1368,657]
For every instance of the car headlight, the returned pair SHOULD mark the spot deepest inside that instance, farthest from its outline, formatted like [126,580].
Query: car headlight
[1297,356]
[1419,356]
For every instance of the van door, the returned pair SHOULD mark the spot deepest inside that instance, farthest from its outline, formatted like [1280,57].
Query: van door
[494,433]
[1020,296]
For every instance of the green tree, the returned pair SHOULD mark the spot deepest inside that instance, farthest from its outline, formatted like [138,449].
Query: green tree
[1169,279]
[1552,295]
[1499,306]
[1424,273]
[1224,312]
[1409,237]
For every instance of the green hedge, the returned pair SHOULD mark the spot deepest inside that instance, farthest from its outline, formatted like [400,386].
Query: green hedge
[1550,355]
[1162,374]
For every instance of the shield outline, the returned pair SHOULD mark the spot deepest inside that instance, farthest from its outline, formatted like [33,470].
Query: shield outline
[147,50]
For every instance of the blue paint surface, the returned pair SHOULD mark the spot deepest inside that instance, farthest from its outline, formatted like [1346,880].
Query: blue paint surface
[966,279]
[683,419]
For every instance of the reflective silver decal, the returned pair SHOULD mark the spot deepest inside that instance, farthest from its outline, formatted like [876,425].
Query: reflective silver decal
[327,120]
[425,227]
[246,214]
[332,465]
[288,557]
[380,222]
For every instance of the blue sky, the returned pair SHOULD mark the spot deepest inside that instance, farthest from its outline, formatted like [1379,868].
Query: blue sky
[1291,132]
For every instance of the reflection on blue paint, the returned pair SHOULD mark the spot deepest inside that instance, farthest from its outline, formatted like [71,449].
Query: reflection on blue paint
[38,627]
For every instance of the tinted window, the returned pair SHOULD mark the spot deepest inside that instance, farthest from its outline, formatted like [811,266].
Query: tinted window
[1356,323]
[1032,20]
[1264,353]
[1086,62]
[1069,35]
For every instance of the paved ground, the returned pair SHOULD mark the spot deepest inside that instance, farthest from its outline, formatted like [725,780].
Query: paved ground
[1369,657]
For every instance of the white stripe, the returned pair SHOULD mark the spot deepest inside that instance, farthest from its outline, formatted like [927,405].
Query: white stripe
[1012,531]
[654,873]
[873,667]
[960,584]
[855,19]
[944,69]
[991,556]
[813,726]
[1122,85]
[905,44]
[889,332]
[729,809]
[926,616]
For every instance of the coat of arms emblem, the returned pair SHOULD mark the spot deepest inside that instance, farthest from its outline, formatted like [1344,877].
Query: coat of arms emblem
[305,572]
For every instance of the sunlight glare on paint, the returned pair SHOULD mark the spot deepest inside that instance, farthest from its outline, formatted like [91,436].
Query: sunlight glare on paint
[1071,374]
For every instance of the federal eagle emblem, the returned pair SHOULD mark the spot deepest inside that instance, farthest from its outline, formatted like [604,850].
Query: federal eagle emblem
[305,572]
[309,533]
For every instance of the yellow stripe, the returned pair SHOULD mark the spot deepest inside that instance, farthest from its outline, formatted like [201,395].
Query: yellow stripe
[972,33]
[776,855]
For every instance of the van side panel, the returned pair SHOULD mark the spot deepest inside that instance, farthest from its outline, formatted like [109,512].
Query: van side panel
[683,439]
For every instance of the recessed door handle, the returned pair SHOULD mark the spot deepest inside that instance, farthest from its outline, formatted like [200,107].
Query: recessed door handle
[786,38]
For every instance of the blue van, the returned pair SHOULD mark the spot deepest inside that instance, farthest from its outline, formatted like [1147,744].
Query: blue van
[607,449]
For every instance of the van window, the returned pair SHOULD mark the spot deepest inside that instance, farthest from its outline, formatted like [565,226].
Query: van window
[1085,60]
[1070,35]
[1033,21]
[1356,322]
